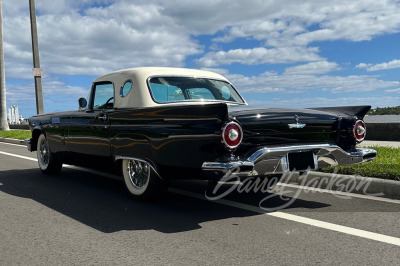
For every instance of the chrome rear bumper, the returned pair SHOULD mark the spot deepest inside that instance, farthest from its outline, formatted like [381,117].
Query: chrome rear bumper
[28,143]
[275,160]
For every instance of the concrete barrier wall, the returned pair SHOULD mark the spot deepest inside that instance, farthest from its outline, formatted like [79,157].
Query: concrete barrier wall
[23,127]
[383,131]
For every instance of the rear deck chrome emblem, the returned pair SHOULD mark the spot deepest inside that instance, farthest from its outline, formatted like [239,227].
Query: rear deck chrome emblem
[297,125]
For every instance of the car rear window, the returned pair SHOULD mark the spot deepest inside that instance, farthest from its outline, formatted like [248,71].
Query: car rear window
[176,89]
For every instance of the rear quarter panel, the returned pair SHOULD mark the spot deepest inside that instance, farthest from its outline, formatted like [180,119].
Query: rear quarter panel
[174,138]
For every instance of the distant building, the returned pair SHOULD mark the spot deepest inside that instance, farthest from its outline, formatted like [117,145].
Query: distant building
[13,116]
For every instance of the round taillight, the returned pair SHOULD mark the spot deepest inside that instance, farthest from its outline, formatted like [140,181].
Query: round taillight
[232,135]
[359,130]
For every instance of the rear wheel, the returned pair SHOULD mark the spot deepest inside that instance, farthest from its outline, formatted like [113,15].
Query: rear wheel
[47,163]
[141,180]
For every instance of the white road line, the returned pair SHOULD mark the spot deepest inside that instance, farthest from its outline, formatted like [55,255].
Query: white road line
[18,156]
[65,165]
[295,218]
[347,194]
[12,144]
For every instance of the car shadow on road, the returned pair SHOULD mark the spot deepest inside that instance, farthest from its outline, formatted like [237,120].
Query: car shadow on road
[103,203]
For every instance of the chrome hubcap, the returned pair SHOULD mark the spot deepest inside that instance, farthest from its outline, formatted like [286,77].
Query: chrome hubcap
[44,152]
[139,173]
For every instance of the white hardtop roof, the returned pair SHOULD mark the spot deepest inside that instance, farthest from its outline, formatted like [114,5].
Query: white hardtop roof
[145,72]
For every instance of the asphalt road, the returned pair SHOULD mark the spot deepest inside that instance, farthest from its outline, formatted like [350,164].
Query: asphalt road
[81,218]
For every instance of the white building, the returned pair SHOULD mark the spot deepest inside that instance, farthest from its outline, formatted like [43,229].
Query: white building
[13,115]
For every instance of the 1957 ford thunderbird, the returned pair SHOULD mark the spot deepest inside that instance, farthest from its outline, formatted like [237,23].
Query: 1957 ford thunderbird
[156,124]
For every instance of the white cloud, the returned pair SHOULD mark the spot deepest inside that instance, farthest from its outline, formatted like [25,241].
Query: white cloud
[95,36]
[382,66]
[273,82]
[393,90]
[259,55]
[290,23]
[57,95]
[312,68]
[21,92]
[325,101]
[100,40]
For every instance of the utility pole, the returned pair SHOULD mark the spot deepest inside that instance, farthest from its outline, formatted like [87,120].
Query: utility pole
[3,102]
[38,72]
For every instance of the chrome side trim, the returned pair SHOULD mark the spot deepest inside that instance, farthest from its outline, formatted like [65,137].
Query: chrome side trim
[55,120]
[140,160]
[223,166]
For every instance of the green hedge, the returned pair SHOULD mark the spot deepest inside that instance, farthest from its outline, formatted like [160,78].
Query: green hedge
[15,134]
[386,165]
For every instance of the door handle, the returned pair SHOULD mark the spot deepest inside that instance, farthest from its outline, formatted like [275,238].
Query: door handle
[103,117]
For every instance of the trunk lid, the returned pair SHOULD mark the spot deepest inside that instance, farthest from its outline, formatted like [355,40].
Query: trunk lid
[281,125]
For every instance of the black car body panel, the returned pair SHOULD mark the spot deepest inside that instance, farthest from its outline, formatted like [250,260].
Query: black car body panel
[270,126]
[189,131]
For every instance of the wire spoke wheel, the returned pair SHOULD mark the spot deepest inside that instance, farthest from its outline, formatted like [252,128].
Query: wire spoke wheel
[141,179]
[139,173]
[44,152]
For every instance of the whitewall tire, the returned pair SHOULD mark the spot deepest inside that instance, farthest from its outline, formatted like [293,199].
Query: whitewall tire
[141,180]
[47,163]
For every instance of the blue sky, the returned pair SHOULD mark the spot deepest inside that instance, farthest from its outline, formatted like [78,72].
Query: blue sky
[283,53]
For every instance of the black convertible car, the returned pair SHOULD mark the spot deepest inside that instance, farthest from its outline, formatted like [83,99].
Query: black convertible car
[155,124]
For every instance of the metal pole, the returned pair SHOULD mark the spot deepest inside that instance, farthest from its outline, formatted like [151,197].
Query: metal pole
[3,102]
[36,60]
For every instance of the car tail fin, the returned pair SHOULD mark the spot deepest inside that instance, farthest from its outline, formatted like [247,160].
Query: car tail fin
[359,111]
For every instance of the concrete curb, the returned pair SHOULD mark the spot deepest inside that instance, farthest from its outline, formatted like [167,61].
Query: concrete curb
[12,141]
[348,183]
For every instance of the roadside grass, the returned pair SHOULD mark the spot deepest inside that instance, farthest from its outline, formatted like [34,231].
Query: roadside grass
[386,165]
[15,134]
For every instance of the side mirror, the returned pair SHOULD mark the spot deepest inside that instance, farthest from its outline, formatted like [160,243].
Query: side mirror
[82,103]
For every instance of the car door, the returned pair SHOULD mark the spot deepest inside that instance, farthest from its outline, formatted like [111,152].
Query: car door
[89,131]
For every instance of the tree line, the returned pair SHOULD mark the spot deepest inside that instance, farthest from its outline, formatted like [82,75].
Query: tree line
[385,111]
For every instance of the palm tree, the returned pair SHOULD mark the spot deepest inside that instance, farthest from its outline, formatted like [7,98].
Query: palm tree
[3,103]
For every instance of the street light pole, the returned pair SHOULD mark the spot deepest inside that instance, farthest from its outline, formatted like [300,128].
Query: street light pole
[3,103]
[36,60]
